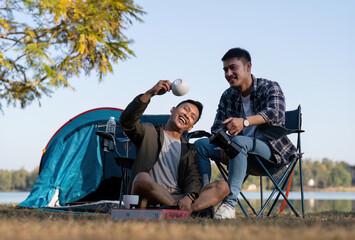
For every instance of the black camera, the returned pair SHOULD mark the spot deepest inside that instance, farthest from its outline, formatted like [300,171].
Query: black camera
[223,140]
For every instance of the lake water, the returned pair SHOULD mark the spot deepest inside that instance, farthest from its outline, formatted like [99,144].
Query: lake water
[314,201]
[13,197]
[308,195]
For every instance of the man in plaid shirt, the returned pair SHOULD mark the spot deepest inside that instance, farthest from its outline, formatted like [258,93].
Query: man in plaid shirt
[249,102]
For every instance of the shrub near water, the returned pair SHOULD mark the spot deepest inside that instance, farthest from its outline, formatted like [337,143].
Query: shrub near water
[35,224]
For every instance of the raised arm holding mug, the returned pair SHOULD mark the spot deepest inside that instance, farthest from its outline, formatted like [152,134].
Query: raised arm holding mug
[165,169]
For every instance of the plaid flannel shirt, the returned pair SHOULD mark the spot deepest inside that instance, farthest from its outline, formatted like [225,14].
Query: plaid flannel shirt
[266,99]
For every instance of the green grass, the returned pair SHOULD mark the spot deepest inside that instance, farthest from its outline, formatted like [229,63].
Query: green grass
[18,223]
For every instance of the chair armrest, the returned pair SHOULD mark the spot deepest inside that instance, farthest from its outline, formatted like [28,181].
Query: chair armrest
[197,134]
[276,132]
[105,135]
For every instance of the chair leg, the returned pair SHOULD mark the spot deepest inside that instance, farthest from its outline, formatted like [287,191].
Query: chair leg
[278,188]
[241,207]
[301,183]
[261,192]
[273,193]
[249,204]
[121,195]
[301,172]
[283,179]
[266,203]
[126,181]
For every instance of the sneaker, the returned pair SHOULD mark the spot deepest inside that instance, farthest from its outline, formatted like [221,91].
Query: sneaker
[225,211]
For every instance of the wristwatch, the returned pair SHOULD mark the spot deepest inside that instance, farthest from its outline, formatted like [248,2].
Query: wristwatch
[246,122]
[191,196]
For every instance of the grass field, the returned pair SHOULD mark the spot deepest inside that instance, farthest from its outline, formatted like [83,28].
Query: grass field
[36,224]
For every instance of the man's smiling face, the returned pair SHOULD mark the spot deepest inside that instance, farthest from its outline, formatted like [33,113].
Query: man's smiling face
[185,116]
[236,71]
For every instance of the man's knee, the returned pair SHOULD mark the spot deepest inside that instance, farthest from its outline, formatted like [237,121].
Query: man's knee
[219,186]
[201,143]
[245,142]
[223,187]
[142,182]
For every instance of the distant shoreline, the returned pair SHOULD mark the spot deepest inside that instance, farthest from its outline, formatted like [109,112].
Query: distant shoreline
[330,189]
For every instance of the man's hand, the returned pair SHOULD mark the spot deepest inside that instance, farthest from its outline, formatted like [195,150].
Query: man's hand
[185,204]
[235,126]
[160,88]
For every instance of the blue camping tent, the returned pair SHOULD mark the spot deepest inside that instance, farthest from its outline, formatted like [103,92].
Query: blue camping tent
[72,160]
[75,167]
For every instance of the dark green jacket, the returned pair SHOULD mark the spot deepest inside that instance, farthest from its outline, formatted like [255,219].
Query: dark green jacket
[148,140]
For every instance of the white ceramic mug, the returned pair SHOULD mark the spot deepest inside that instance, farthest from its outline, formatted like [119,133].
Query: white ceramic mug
[180,87]
[129,200]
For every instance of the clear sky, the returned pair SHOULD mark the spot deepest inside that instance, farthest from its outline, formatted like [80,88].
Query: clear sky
[306,46]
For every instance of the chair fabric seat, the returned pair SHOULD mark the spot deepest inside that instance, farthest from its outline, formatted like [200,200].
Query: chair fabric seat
[255,169]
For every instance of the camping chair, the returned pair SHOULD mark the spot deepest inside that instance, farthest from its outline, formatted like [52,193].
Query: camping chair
[124,150]
[267,168]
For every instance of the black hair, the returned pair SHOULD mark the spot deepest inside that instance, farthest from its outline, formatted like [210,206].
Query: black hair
[239,53]
[196,103]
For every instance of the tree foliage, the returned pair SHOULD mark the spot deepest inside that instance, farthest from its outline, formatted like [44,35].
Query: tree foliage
[19,180]
[43,43]
[5,180]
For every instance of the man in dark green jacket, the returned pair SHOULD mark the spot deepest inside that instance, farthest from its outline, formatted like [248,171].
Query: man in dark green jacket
[165,170]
